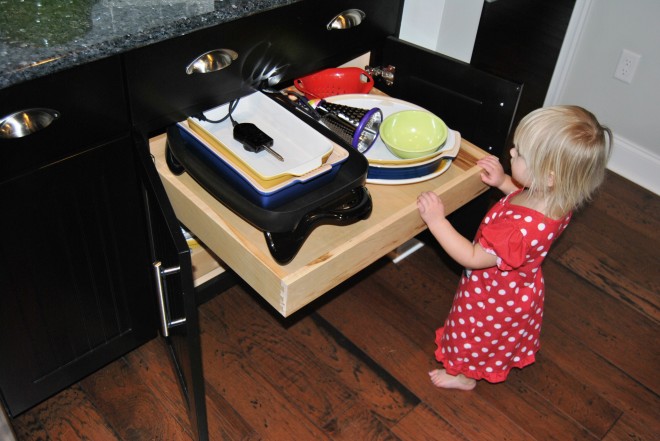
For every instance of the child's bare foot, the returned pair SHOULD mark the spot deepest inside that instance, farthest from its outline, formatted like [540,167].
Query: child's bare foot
[440,378]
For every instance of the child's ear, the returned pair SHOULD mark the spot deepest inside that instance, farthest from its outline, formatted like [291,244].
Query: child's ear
[551,179]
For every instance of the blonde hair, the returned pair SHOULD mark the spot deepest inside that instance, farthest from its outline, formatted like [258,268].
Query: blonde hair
[566,152]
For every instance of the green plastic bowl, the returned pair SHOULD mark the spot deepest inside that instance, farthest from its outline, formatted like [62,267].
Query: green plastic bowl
[413,134]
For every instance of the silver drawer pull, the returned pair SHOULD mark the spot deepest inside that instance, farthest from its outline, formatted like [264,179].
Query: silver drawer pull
[212,61]
[25,122]
[347,19]
[160,273]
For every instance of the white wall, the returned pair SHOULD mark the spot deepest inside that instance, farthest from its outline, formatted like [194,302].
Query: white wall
[599,30]
[445,26]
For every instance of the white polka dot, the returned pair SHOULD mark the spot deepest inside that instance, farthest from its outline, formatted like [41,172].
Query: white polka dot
[534,242]
[467,345]
[525,298]
[489,318]
[550,236]
[512,285]
[523,232]
[541,226]
[528,218]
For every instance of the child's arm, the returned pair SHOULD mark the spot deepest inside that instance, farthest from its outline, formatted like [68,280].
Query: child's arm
[460,249]
[494,175]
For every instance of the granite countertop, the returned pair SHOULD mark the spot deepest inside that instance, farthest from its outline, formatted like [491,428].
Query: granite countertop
[40,37]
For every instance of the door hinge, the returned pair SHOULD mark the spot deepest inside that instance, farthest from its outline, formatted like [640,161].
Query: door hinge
[386,73]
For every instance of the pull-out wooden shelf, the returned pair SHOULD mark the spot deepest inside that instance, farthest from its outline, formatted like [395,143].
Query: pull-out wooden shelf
[331,254]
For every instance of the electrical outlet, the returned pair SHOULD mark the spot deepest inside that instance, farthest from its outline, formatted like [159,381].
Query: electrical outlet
[628,62]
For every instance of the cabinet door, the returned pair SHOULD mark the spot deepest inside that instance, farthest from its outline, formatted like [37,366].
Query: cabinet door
[75,286]
[172,274]
[478,104]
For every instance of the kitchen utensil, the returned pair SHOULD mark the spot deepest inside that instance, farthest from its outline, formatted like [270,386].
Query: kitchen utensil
[358,127]
[335,81]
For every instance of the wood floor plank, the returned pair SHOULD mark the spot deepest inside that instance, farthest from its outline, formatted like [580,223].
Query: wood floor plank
[68,416]
[635,207]
[241,381]
[574,355]
[425,424]
[152,360]
[130,407]
[376,392]
[573,398]
[286,364]
[621,335]
[607,274]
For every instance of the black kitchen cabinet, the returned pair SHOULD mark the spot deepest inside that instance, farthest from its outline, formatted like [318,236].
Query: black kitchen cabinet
[92,255]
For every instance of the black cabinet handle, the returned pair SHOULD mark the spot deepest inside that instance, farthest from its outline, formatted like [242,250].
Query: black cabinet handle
[26,122]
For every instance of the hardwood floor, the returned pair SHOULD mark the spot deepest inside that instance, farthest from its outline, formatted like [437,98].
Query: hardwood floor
[354,365]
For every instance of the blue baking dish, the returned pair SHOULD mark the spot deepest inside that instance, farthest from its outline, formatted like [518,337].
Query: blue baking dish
[261,198]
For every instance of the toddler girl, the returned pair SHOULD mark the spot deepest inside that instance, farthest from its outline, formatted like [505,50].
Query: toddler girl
[557,162]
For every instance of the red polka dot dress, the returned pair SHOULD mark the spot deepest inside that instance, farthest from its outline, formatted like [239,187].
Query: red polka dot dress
[495,320]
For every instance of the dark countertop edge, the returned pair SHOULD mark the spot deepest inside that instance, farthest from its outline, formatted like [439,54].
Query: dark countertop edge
[86,53]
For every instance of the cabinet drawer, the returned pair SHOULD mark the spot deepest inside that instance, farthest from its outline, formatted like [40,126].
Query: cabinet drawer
[91,107]
[283,43]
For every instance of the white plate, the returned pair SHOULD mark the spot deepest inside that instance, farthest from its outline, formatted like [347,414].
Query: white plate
[302,147]
[379,153]
[442,167]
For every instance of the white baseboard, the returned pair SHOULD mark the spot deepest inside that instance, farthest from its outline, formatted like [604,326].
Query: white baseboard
[636,164]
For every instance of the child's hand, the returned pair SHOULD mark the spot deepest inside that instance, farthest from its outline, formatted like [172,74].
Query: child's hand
[430,206]
[493,173]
